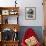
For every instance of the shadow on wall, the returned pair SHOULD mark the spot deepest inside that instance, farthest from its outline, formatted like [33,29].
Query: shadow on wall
[37,29]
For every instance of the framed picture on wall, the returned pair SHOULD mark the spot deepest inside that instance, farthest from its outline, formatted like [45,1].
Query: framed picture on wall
[30,13]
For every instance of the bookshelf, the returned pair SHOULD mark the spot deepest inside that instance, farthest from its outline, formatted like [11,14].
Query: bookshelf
[9,22]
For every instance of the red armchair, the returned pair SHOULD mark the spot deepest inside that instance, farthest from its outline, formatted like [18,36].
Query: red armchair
[30,38]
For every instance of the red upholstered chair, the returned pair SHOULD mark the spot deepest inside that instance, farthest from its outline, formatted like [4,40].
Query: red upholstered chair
[29,34]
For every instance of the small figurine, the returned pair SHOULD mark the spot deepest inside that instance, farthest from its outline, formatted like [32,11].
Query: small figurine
[6,21]
[15,3]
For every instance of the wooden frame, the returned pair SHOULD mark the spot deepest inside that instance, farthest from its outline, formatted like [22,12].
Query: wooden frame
[0,19]
[0,36]
[30,13]
[5,12]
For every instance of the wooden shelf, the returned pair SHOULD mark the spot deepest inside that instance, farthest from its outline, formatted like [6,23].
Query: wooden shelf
[3,8]
[10,43]
[9,10]
[11,26]
[4,13]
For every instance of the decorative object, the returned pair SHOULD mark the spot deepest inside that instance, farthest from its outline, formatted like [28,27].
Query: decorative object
[30,13]
[7,34]
[6,21]
[5,12]
[15,37]
[15,3]
[15,30]
[13,12]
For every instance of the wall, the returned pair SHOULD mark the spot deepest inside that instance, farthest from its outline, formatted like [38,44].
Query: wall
[39,13]
[27,3]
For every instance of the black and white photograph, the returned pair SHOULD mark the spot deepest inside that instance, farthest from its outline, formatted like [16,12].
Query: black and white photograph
[30,13]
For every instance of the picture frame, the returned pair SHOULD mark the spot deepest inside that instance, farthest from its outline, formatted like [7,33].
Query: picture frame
[30,13]
[5,12]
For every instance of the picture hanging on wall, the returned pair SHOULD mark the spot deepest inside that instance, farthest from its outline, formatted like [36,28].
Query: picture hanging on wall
[30,13]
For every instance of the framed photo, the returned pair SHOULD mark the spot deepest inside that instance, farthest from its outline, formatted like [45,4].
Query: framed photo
[5,12]
[30,13]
